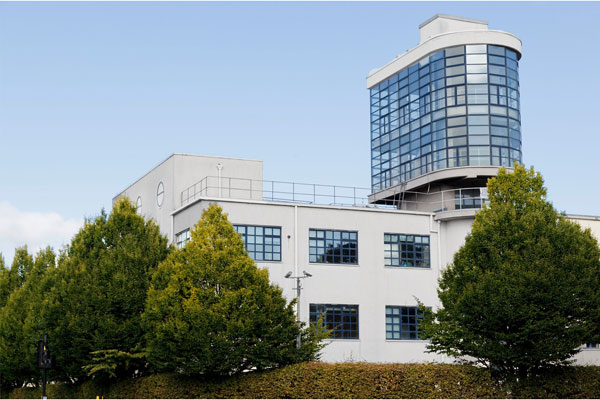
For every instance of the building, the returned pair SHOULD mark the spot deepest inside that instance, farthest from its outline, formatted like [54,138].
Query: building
[444,116]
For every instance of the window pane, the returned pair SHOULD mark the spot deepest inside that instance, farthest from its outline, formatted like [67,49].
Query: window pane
[341,319]
[341,247]
[254,239]
[405,327]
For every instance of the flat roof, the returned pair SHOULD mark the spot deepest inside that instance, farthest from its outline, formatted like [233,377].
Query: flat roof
[446,16]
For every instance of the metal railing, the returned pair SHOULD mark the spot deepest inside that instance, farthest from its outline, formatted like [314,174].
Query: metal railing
[277,191]
[442,201]
[346,196]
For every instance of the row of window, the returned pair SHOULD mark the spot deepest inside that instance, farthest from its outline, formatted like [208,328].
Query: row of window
[326,246]
[401,322]
[457,107]
[160,197]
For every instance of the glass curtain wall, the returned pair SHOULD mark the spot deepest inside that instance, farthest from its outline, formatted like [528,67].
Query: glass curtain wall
[454,108]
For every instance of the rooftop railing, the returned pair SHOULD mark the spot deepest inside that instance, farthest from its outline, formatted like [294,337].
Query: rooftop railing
[277,191]
[344,196]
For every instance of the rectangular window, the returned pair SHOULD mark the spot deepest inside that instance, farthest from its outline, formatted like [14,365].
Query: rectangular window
[333,247]
[406,250]
[592,346]
[341,319]
[401,323]
[182,238]
[263,243]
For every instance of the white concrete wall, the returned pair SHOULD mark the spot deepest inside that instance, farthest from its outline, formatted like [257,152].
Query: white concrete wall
[370,284]
[440,24]
[146,188]
[179,172]
[190,169]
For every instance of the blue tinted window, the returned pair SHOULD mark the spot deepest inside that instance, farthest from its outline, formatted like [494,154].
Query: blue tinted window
[263,243]
[402,323]
[341,319]
[182,238]
[403,250]
[333,247]
[473,83]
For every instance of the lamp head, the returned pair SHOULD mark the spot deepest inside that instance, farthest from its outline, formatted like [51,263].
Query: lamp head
[288,274]
[306,274]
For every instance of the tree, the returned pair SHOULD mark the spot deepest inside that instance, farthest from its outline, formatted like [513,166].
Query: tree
[18,336]
[522,293]
[13,278]
[210,310]
[100,291]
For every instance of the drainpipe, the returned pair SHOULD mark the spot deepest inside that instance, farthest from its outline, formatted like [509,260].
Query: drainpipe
[439,226]
[296,272]
[172,228]
[219,168]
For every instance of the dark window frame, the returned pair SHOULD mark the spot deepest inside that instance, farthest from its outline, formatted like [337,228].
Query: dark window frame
[403,248]
[341,319]
[182,238]
[265,238]
[336,253]
[401,322]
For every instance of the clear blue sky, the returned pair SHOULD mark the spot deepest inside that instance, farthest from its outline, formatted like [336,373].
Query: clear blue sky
[93,95]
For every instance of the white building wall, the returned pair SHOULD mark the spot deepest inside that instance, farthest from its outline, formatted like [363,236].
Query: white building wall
[370,284]
[146,189]
[180,171]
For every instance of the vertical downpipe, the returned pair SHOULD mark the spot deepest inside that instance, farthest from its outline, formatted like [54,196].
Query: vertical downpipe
[439,224]
[296,272]
[172,228]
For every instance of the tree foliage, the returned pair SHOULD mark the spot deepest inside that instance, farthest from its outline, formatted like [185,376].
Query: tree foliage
[19,327]
[210,310]
[109,364]
[100,290]
[13,278]
[522,293]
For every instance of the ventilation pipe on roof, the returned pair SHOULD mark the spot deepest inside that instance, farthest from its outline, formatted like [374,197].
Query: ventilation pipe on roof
[219,168]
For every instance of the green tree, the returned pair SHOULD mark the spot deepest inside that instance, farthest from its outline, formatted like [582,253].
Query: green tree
[100,291]
[13,278]
[6,286]
[18,340]
[523,292]
[210,310]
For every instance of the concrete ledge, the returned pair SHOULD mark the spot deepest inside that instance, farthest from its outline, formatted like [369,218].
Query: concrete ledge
[469,172]
[468,213]
[440,42]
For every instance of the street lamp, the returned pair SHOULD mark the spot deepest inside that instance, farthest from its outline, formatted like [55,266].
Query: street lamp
[298,290]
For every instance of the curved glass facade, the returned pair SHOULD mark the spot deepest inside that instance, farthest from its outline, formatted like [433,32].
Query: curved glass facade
[454,108]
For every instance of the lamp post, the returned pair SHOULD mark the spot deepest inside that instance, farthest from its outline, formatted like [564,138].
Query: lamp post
[298,291]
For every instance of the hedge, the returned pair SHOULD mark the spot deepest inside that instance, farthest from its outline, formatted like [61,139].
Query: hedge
[346,380]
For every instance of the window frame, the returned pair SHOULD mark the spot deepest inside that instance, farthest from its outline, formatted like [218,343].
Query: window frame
[335,329]
[401,316]
[252,254]
[323,260]
[387,260]
[160,194]
[180,244]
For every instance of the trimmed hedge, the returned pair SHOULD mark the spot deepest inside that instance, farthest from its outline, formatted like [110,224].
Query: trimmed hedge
[346,380]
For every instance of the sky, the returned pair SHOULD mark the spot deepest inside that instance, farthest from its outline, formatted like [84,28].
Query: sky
[93,95]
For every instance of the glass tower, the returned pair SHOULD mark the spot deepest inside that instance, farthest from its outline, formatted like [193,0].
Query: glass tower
[455,107]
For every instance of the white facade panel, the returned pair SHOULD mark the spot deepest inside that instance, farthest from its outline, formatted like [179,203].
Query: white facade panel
[370,284]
